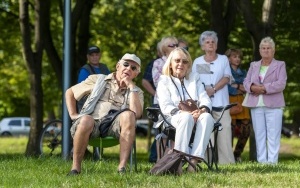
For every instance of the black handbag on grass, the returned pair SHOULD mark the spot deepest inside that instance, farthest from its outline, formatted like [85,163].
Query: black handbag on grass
[172,162]
[107,121]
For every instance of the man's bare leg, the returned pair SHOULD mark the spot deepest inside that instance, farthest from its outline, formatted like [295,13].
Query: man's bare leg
[127,135]
[81,138]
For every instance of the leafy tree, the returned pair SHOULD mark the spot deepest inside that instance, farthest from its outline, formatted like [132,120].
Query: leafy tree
[33,46]
[223,15]
[119,26]
[14,98]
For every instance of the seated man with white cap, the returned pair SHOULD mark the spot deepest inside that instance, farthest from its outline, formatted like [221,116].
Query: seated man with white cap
[107,92]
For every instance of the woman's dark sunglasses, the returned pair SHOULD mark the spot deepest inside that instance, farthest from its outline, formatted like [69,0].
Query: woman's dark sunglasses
[126,64]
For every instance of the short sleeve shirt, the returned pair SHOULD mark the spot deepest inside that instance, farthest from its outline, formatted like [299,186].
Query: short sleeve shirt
[112,98]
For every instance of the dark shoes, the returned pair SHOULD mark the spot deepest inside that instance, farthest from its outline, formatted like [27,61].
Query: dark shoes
[122,170]
[73,173]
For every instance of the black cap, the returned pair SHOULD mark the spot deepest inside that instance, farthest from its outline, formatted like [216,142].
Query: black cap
[93,49]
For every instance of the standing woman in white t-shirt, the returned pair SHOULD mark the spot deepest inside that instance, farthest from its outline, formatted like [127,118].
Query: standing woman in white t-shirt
[215,73]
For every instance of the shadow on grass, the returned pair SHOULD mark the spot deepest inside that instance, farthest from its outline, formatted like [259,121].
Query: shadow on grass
[260,168]
[141,157]
[288,157]
[9,157]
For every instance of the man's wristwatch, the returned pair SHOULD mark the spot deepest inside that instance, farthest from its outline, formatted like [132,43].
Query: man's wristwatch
[134,89]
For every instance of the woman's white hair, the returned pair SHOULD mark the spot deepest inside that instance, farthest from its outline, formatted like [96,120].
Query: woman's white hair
[267,40]
[207,34]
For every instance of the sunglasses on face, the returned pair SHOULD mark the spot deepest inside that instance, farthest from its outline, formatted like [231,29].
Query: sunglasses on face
[184,61]
[186,48]
[126,64]
[173,45]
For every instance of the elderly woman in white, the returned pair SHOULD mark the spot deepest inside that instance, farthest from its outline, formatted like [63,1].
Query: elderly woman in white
[178,83]
[215,73]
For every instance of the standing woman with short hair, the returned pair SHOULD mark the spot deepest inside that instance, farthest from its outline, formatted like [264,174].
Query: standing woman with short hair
[215,73]
[264,83]
[237,91]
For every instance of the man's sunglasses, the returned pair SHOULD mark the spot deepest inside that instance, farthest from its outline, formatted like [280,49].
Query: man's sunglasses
[126,64]
[186,48]
[173,45]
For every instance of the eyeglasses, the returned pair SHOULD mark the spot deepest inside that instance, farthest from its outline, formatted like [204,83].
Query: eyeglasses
[126,64]
[186,48]
[184,61]
[173,45]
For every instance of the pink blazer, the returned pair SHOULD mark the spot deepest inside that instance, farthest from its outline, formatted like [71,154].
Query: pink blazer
[274,82]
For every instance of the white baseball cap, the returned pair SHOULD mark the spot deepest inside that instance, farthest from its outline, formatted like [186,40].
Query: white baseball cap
[132,57]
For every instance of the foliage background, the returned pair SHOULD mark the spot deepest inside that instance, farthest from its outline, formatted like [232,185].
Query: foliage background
[120,26]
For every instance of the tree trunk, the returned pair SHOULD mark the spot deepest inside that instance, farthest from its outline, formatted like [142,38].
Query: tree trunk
[258,30]
[83,37]
[33,55]
[222,25]
[33,60]
[296,123]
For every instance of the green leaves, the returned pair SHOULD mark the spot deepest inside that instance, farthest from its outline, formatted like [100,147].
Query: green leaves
[119,26]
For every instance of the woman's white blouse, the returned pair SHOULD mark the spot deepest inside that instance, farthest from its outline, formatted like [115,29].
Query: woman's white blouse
[211,73]
[169,98]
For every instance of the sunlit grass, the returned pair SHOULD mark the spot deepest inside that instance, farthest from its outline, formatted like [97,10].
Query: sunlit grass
[18,171]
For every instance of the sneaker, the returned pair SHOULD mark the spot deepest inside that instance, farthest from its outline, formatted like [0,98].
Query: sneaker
[73,173]
[122,170]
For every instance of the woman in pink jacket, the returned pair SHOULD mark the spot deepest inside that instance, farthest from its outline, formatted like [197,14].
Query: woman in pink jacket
[264,83]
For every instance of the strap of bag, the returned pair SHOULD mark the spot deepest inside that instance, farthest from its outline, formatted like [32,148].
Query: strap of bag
[91,69]
[182,87]
[187,158]
[103,68]
[188,155]
[176,88]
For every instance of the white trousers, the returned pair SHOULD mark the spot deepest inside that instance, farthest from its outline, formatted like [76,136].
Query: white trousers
[224,139]
[267,125]
[184,123]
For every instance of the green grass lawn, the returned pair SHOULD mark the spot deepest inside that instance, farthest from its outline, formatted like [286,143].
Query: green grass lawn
[19,171]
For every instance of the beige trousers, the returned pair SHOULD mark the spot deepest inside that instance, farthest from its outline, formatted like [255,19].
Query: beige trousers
[224,142]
